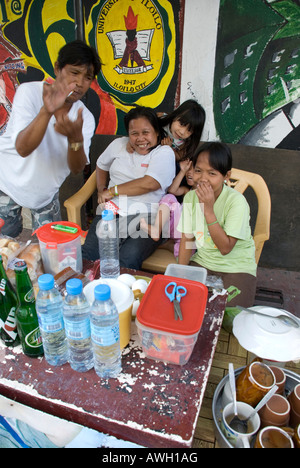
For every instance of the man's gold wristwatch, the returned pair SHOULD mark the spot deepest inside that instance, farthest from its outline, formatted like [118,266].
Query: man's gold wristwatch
[76,146]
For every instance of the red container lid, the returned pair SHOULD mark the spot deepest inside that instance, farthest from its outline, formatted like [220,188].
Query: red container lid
[52,237]
[156,311]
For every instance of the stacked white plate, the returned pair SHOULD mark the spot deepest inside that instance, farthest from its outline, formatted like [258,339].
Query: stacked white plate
[267,337]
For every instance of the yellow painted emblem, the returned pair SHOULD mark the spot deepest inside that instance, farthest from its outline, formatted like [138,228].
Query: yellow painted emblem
[136,43]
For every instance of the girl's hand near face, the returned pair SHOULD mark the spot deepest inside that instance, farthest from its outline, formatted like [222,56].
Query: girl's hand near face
[185,165]
[205,194]
[166,141]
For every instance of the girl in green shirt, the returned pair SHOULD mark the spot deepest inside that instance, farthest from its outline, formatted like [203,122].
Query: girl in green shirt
[216,218]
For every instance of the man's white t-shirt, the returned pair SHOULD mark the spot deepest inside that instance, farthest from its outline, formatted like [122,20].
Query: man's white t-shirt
[125,167]
[33,181]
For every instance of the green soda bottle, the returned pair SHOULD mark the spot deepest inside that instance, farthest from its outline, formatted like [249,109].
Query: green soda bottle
[8,305]
[27,321]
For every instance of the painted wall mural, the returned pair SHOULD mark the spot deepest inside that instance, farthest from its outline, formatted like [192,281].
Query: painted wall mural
[256,64]
[135,40]
[257,70]
[10,65]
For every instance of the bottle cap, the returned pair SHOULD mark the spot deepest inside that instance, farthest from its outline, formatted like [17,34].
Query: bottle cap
[102,292]
[46,282]
[20,265]
[74,286]
[107,215]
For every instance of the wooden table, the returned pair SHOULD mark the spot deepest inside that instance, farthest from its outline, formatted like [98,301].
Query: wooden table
[151,403]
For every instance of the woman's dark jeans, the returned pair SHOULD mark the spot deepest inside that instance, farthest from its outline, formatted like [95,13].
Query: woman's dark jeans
[134,245]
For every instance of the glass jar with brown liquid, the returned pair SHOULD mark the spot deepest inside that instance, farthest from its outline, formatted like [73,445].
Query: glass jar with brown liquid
[254,382]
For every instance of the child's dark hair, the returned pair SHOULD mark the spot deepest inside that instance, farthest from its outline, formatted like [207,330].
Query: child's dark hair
[78,53]
[150,115]
[192,115]
[220,157]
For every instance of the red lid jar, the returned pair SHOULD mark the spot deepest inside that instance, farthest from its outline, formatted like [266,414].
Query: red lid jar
[163,337]
[60,249]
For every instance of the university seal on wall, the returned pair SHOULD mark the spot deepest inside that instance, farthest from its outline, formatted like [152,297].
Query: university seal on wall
[136,43]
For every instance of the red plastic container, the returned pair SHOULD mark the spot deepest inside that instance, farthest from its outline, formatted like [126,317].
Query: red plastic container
[163,337]
[60,249]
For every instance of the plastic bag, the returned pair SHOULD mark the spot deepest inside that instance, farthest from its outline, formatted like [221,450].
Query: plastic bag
[9,248]
[230,312]
[12,251]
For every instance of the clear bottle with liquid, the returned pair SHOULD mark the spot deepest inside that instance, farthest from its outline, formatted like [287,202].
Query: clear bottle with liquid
[49,307]
[76,311]
[105,333]
[108,245]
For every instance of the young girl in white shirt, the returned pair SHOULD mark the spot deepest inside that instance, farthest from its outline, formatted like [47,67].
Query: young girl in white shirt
[184,128]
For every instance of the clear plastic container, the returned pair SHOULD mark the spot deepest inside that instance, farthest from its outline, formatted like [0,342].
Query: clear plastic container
[187,271]
[168,347]
[60,249]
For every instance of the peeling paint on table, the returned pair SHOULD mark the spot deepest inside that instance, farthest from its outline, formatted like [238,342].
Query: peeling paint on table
[152,403]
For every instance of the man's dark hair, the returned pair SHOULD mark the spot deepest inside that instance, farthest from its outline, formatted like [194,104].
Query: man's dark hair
[78,53]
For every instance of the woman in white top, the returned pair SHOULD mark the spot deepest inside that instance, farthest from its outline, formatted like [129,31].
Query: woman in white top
[135,182]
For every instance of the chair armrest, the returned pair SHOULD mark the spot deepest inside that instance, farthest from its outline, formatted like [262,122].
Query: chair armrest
[75,202]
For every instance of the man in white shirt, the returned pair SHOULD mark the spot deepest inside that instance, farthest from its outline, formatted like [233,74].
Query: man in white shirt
[47,137]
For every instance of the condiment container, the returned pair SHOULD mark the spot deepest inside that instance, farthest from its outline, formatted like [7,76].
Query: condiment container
[60,248]
[187,271]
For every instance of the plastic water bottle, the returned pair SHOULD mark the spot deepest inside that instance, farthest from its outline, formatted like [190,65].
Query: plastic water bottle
[105,333]
[49,307]
[108,245]
[76,313]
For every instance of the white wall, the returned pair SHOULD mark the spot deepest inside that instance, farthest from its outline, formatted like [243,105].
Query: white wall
[198,57]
